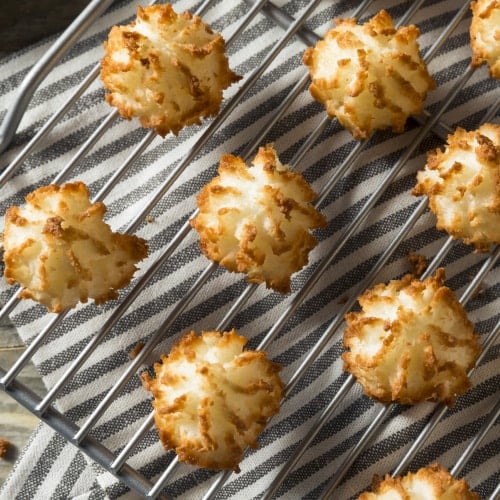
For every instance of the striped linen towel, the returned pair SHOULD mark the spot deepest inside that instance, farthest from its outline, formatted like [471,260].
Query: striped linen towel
[50,467]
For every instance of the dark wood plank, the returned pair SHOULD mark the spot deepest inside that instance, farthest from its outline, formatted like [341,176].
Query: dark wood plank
[16,422]
[23,22]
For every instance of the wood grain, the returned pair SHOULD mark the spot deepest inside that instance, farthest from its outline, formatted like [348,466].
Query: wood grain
[26,21]
[16,423]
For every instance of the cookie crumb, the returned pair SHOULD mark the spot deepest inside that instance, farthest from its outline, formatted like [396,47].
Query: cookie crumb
[418,263]
[4,447]
[136,350]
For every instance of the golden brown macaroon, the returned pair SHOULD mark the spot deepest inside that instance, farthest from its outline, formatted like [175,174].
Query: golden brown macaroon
[257,220]
[432,483]
[369,76]
[167,69]
[212,399]
[411,341]
[59,249]
[485,35]
[463,186]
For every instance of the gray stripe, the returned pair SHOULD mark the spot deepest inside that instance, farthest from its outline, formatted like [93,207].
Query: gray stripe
[28,490]
[70,476]
[486,488]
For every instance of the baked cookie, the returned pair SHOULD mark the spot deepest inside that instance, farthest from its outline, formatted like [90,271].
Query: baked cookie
[369,76]
[411,342]
[432,483]
[59,249]
[212,399]
[257,220]
[485,35]
[167,69]
[463,186]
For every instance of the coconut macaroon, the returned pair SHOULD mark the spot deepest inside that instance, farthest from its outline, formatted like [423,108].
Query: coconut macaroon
[411,341]
[59,249]
[463,186]
[169,70]
[369,76]
[257,220]
[432,483]
[212,398]
[485,35]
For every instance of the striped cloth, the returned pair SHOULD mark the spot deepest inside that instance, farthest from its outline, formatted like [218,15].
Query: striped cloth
[50,467]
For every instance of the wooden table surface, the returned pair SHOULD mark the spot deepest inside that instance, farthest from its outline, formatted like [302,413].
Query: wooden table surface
[16,423]
[26,21]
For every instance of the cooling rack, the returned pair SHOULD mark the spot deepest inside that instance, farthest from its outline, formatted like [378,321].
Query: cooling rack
[329,439]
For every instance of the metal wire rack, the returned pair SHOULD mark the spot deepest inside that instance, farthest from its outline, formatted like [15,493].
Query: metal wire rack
[430,124]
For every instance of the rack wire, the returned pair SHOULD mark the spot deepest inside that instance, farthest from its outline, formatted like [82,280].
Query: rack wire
[430,123]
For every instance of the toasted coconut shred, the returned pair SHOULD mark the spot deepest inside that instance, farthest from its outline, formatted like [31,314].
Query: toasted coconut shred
[411,341]
[485,35]
[169,70]
[463,186]
[59,249]
[430,483]
[257,220]
[212,399]
[369,76]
